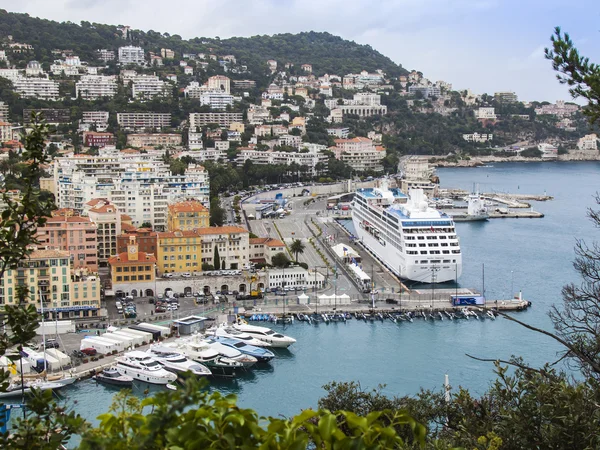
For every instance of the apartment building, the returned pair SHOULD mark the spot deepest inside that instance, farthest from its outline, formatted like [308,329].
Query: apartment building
[187,215]
[149,86]
[219,83]
[179,251]
[99,119]
[232,243]
[153,139]
[42,88]
[425,91]
[224,119]
[143,120]
[588,142]
[52,116]
[91,87]
[506,97]
[559,109]
[478,137]
[75,235]
[107,219]
[139,185]
[313,160]
[359,153]
[6,133]
[48,275]
[167,53]
[3,112]
[131,55]
[485,113]
[97,139]
[216,99]
[144,237]
[105,55]
[263,249]
[295,277]
[244,84]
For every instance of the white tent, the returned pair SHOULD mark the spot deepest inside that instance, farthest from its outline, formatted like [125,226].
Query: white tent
[62,358]
[332,300]
[303,299]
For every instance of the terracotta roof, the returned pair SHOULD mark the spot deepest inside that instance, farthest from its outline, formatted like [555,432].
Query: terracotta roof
[125,217]
[356,139]
[270,242]
[187,206]
[123,258]
[40,254]
[70,219]
[104,209]
[177,233]
[93,202]
[126,227]
[229,229]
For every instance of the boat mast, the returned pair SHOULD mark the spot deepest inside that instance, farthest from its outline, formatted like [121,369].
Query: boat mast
[373,286]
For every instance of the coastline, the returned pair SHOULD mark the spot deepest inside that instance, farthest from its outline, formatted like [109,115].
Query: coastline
[477,161]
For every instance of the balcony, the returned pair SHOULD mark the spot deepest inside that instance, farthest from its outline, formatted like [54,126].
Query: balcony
[43,283]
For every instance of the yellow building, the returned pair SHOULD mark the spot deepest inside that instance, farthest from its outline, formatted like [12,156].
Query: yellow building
[179,251]
[187,215]
[237,126]
[132,267]
[48,275]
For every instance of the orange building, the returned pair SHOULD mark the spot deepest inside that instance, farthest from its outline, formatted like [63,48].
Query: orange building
[187,215]
[132,268]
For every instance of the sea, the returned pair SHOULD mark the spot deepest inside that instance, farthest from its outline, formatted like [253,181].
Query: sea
[533,256]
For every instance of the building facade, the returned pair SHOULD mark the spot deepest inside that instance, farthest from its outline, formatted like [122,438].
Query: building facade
[36,88]
[132,267]
[75,235]
[143,120]
[187,215]
[198,120]
[263,249]
[92,87]
[179,251]
[232,244]
[359,153]
[97,139]
[153,139]
[107,219]
[131,55]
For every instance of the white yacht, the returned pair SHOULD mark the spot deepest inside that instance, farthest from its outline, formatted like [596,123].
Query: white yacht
[266,335]
[199,351]
[230,332]
[228,352]
[413,240]
[141,366]
[176,362]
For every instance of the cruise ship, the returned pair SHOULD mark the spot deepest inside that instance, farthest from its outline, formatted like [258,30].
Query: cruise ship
[414,241]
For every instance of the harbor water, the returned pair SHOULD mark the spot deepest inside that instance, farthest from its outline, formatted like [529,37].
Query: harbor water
[532,255]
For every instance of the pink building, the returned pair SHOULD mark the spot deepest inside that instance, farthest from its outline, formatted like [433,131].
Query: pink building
[74,234]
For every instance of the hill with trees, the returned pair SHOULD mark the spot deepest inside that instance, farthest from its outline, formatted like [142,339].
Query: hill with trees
[325,52]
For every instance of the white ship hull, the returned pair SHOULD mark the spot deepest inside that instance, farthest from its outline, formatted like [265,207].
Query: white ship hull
[403,266]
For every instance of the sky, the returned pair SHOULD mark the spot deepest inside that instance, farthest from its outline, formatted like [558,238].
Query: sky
[484,45]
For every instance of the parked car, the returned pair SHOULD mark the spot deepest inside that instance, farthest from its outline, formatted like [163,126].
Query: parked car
[151,300]
[160,309]
[186,274]
[89,351]
[167,275]
[51,343]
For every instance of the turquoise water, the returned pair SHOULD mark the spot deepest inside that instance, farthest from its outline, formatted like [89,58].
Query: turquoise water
[409,356]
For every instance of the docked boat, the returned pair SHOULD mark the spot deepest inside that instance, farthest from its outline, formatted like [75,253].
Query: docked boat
[266,335]
[114,378]
[476,210]
[261,354]
[199,351]
[230,332]
[141,366]
[228,352]
[413,240]
[16,389]
[176,362]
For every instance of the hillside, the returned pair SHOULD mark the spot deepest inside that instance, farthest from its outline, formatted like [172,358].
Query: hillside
[326,52]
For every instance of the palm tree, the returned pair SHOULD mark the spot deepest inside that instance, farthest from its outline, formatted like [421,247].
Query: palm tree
[297,248]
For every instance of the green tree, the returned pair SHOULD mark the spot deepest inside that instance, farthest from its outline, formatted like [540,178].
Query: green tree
[297,248]
[280,260]
[216,259]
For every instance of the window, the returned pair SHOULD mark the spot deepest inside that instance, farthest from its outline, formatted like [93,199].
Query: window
[148,277]
[126,278]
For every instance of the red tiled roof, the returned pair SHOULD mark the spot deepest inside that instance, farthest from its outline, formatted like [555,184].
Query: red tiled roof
[123,258]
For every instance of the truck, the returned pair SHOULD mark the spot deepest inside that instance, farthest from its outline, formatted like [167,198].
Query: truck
[467,300]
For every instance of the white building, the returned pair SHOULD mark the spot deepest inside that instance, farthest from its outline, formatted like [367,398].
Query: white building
[195,141]
[143,120]
[105,55]
[560,109]
[131,55]
[36,87]
[310,159]
[476,137]
[194,90]
[297,277]
[359,153]
[149,86]
[588,142]
[549,151]
[485,113]
[97,118]
[216,99]
[33,69]
[223,119]
[10,74]
[91,87]
[140,185]
[59,68]
[232,242]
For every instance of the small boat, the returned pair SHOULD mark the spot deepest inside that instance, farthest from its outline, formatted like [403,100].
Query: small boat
[440,315]
[450,315]
[325,318]
[200,352]
[171,387]
[491,315]
[114,378]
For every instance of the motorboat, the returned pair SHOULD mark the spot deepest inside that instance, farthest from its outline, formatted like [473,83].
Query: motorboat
[230,332]
[16,389]
[228,352]
[141,366]
[266,335]
[177,362]
[199,351]
[261,354]
[112,376]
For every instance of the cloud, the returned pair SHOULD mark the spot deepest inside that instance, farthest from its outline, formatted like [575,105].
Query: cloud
[482,44]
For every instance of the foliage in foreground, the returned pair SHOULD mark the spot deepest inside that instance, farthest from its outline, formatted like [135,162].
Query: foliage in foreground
[172,420]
